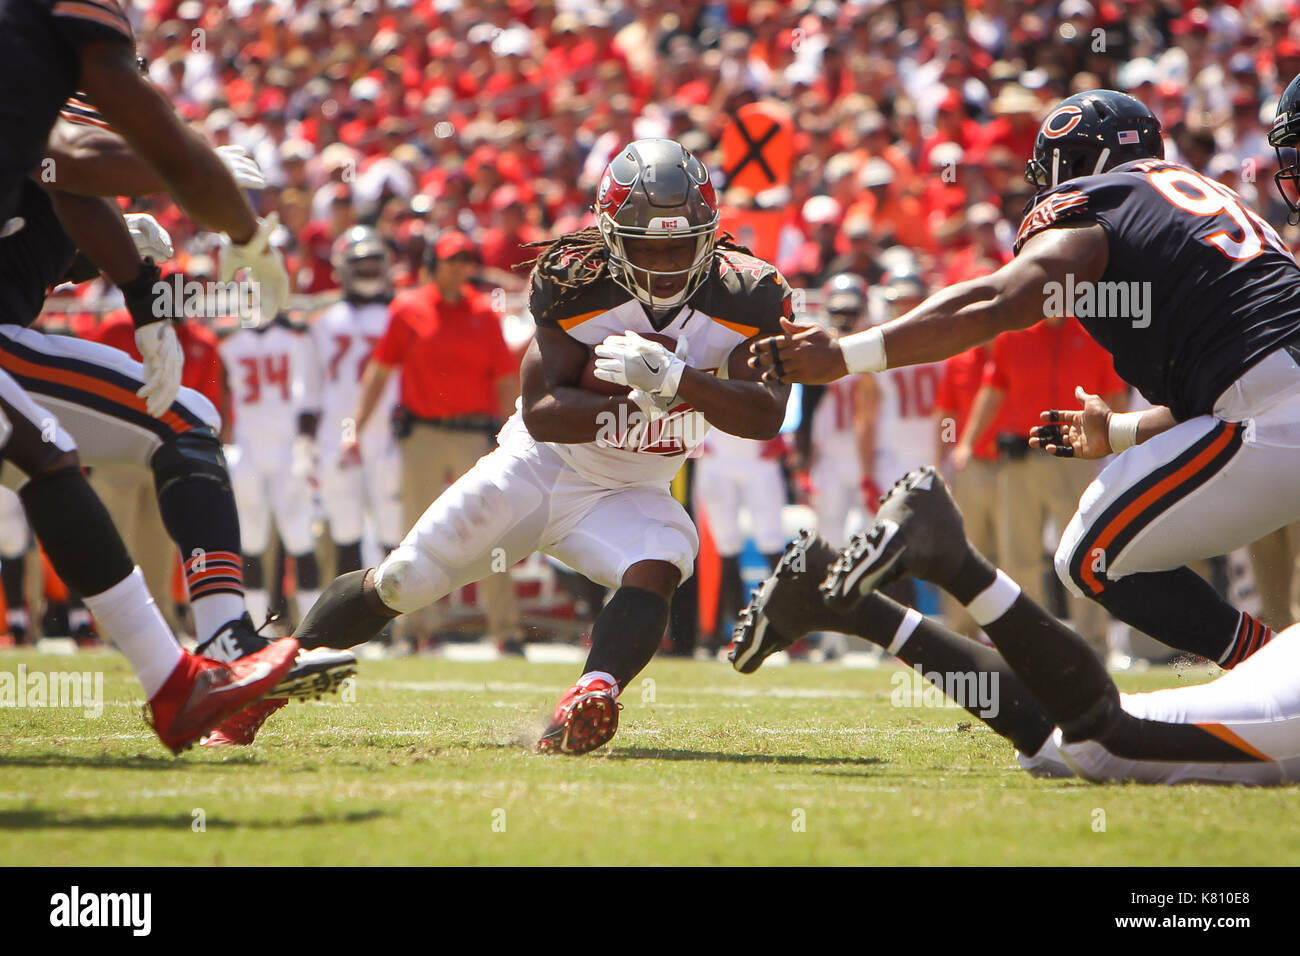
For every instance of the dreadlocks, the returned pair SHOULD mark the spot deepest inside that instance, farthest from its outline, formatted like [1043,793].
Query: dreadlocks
[589,246]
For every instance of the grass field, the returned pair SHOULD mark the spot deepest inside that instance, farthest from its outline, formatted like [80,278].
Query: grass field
[806,764]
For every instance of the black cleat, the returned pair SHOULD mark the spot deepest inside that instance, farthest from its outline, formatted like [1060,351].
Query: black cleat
[918,532]
[316,671]
[787,605]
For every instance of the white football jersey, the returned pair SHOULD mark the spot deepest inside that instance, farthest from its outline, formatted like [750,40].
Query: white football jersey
[342,338]
[742,297]
[833,436]
[264,368]
[905,430]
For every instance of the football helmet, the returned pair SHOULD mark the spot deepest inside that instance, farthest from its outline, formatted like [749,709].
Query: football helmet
[1089,133]
[1284,137]
[360,258]
[844,297]
[656,189]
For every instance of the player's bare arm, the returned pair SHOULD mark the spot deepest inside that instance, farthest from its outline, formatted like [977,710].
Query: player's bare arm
[866,411]
[201,184]
[555,408]
[94,161]
[947,323]
[97,228]
[741,404]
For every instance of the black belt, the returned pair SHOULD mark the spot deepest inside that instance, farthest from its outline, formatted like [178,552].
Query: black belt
[404,420]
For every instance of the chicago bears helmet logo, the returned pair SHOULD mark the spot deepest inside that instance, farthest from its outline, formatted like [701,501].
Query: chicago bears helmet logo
[1062,120]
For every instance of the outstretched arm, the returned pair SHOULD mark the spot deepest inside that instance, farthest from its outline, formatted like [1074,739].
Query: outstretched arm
[948,322]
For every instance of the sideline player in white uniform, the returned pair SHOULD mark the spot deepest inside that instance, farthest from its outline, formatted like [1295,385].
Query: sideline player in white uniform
[901,432]
[264,369]
[736,473]
[1043,688]
[583,474]
[342,338]
[829,438]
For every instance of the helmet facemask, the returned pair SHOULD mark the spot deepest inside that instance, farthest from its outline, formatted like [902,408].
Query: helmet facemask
[639,280]
[1284,137]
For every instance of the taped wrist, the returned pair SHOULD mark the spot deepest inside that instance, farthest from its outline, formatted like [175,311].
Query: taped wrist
[1122,430]
[143,297]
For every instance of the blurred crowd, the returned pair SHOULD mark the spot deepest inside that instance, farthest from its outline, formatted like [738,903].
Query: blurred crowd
[911,122]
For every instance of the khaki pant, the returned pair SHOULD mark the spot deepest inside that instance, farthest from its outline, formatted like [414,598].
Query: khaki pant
[129,495]
[975,489]
[1273,559]
[432,458]
[1032,491]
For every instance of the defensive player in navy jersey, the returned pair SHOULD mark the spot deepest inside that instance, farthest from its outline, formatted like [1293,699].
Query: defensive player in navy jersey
[1198,301]
[48,50]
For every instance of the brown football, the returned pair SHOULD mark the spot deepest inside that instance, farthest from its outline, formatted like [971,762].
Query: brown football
[593,384]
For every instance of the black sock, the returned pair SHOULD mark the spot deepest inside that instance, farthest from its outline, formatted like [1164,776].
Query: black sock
[731,598]
[347,614]
[1057,666]
[11,577]
[198,510]
[626,634]
[308,569]
[1179,608]
[945,657]
[347,557]
[79,537]
[254,575]
[974,575]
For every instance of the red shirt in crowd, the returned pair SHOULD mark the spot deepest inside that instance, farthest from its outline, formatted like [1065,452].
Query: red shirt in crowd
[450,355]
[962,375]
[1038,368]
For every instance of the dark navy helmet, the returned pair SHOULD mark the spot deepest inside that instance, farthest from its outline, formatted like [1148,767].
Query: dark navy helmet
[1284,137]
[1089,133]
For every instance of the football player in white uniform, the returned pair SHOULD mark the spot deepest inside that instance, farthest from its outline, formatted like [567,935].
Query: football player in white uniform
[264,369]
[830,438]
[583,474]
[735,473]
[342,338]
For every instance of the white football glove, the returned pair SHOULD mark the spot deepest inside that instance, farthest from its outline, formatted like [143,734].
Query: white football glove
[248,175]
[164,360]
[264,264]
[150,239]
[641,363]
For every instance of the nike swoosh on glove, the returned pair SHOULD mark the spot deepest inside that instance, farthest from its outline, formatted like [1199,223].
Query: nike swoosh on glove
[641,363]
[265,267]
[248,175]
[151,240]
[164,361]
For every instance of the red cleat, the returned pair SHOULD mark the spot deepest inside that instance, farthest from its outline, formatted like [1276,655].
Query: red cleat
[200,693]
[243,727]
[585,718]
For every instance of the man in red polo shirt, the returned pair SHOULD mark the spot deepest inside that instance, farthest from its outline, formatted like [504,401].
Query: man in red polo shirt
[1041,364]
[458,381]
[972,476]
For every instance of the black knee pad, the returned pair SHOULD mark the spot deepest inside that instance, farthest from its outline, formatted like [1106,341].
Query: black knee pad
[195,453]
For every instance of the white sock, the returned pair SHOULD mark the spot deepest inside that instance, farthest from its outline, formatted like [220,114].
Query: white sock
[590,676]
[128,617]
[213,611]
[258,602]
[305,601]
[994,601]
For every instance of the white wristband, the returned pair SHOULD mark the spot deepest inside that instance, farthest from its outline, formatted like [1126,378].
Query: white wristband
[672,378]
[1122,429]
[864,351]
